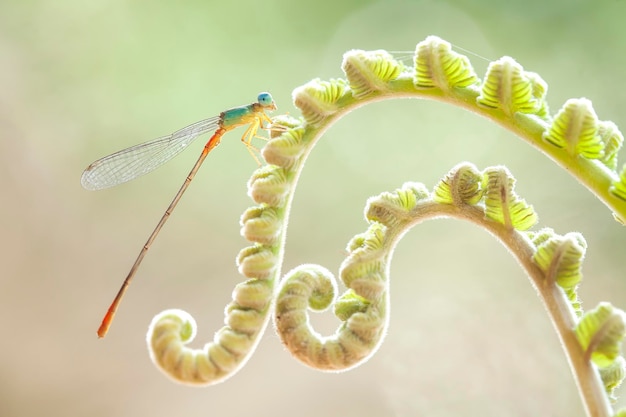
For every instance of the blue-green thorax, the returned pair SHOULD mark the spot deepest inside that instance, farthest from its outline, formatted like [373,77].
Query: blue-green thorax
[238,116]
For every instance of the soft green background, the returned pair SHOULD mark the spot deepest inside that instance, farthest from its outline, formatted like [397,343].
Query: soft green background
[468,336]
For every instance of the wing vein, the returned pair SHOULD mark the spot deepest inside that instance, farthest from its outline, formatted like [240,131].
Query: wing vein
[138,160]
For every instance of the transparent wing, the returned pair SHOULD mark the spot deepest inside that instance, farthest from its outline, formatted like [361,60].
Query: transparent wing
[141,159]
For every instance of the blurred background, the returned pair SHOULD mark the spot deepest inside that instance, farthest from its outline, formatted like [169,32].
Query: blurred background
[84,79]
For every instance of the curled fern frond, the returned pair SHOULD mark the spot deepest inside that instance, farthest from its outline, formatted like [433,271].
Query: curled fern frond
[363,270]
[270,185]
[285,151]
[437,65]
[257,261]
[254,294]
[560,257]
[318,99]
[509,88]
[502,203]
[391,208]
[548,256]
[262,224]
[575,129]
[370,71]
[553,262]
[167,336]
[600,332]
[462,185]
[355,341]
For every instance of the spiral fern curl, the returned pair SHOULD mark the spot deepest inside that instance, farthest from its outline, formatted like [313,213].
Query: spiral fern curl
[574,138]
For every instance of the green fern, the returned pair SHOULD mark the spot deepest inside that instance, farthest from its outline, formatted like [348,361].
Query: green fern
[509,95]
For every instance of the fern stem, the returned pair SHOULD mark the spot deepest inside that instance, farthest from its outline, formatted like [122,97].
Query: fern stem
[510,97]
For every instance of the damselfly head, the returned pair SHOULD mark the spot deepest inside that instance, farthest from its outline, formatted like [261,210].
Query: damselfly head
[265,99]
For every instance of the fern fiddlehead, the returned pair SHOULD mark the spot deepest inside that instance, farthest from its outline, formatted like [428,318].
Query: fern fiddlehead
[510,96]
